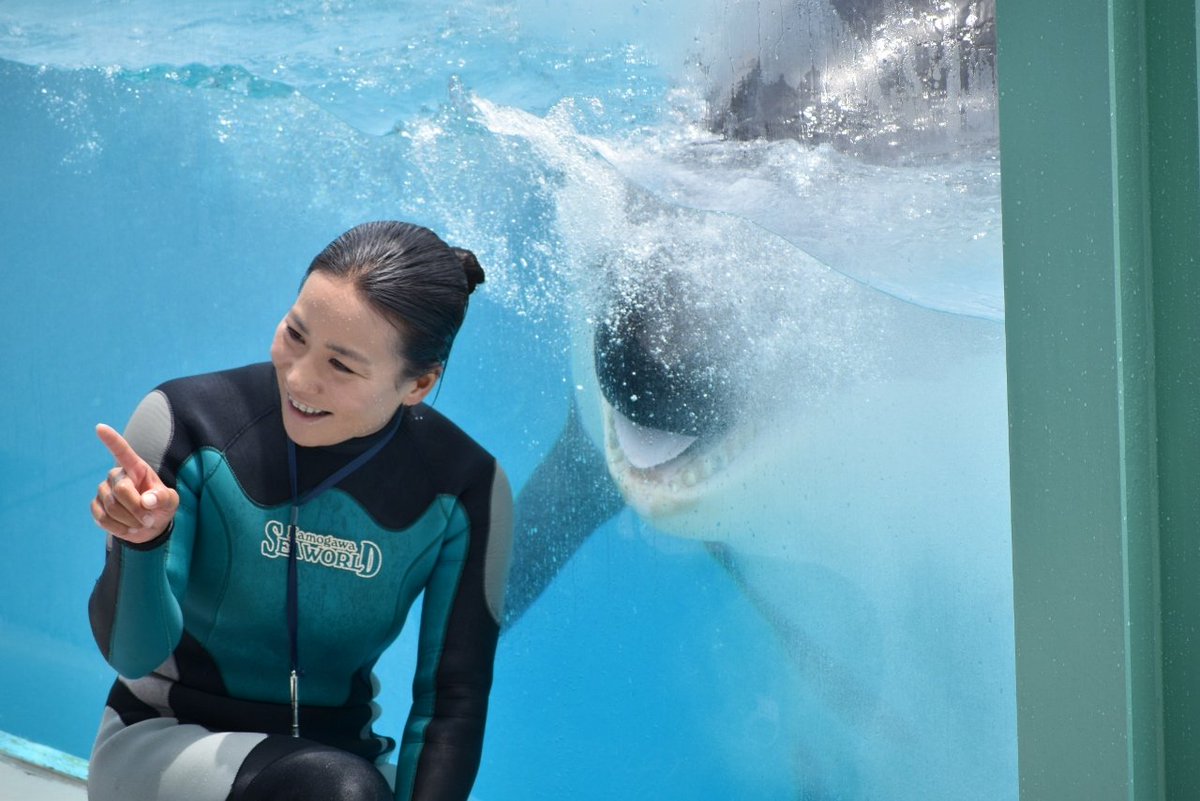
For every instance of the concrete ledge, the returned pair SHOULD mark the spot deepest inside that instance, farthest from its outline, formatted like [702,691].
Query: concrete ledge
[33,772]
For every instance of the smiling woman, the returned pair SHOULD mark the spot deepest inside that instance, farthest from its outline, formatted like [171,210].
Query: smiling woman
[221,531]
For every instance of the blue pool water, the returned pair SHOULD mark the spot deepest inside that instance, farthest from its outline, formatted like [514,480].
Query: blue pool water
[169,173]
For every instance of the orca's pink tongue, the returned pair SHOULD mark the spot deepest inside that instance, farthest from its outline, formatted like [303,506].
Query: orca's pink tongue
[648,447]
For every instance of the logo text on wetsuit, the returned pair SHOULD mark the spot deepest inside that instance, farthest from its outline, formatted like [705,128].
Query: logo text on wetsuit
[361,558]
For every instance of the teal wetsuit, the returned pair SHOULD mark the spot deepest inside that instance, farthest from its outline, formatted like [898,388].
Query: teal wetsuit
[194,622]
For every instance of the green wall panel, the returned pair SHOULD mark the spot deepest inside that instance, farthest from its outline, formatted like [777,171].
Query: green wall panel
[1101,183]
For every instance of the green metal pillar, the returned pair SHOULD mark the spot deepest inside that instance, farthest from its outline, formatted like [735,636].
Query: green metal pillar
[1100,164]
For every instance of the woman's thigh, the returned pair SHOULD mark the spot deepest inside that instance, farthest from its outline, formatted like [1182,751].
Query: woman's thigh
[164,759]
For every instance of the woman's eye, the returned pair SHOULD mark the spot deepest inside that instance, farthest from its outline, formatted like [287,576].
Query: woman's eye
[295,335]
[341,368]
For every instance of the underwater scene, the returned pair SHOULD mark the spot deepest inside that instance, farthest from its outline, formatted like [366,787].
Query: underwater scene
[740,350]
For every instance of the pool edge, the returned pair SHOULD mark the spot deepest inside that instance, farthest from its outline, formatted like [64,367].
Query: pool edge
[58,764]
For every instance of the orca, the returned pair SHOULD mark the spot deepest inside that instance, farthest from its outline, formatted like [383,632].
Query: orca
[840,450]
[842,454]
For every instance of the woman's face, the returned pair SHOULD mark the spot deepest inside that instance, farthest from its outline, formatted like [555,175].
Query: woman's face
[336,359]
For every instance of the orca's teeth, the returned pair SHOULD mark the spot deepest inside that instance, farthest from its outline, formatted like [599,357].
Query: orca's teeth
[646,447]
[663,471]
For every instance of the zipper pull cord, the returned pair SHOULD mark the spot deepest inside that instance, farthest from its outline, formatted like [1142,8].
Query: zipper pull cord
[293,589]
[293,616]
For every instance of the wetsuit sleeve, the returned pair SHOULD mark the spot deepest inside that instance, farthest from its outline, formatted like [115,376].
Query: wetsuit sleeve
[461,610]
[134,608]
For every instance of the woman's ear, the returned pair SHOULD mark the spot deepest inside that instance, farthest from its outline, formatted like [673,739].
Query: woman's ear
[417,388]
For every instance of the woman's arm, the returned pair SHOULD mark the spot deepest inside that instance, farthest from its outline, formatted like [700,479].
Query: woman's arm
[460,624]
[134,607]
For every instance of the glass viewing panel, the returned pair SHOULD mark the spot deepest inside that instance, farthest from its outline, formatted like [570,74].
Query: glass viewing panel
[740,350]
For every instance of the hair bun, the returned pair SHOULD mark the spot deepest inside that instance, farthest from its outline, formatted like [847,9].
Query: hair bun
[471,267]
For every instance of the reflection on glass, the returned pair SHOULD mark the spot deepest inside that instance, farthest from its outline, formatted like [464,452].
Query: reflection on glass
[741,350]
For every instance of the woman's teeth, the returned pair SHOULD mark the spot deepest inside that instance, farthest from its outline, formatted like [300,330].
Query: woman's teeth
[305,409]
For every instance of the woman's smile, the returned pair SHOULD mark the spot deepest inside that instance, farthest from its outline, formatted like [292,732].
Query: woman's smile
[306,410]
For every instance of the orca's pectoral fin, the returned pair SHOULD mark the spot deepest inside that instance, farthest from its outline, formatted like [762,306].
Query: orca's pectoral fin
[569,496]
[834,683]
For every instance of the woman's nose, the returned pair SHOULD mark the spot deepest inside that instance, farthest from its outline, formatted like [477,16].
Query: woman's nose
[302,378]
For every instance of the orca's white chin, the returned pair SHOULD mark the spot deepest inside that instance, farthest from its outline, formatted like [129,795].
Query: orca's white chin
[661,473]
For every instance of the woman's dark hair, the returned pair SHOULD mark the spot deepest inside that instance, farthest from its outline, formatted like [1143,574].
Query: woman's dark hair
[413,278]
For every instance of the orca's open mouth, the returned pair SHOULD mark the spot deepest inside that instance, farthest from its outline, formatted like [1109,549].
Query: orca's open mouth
[673,466]
[668,399]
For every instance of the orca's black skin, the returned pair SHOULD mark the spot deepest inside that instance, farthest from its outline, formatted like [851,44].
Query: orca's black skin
[656,366]
[569,496]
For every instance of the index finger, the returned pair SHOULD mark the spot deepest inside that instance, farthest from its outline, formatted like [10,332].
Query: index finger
[121,450]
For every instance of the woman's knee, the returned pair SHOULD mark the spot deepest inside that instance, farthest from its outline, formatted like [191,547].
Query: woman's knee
[308,773]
